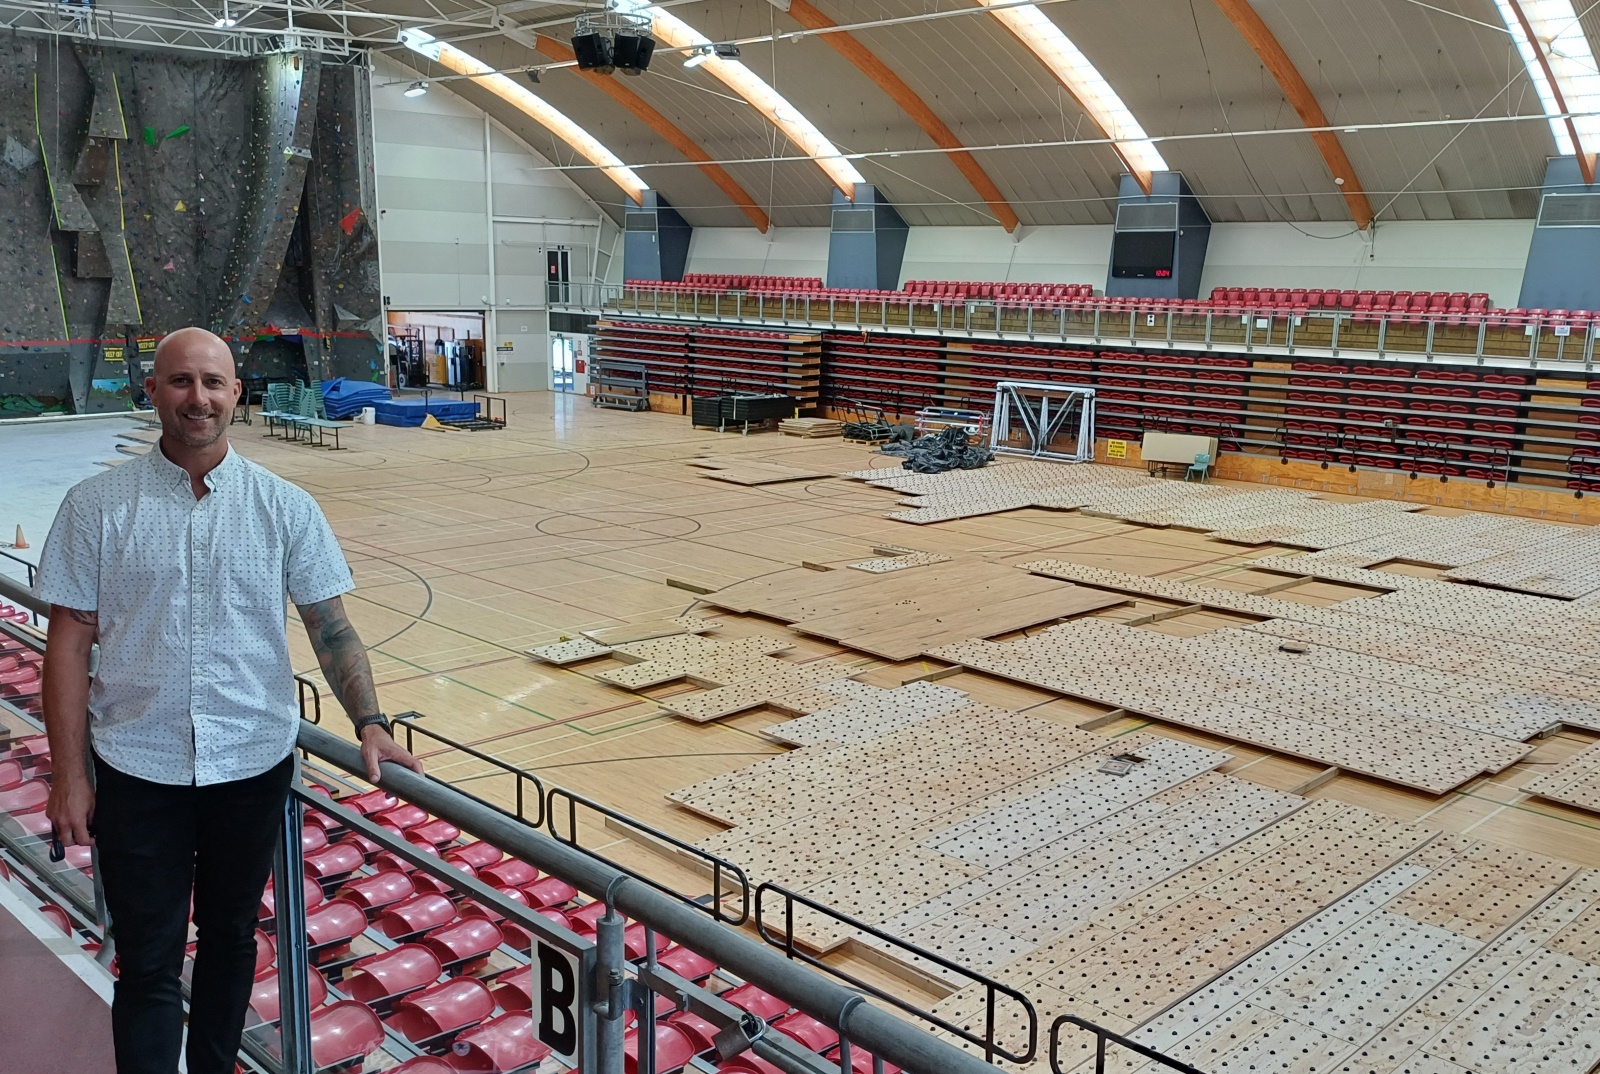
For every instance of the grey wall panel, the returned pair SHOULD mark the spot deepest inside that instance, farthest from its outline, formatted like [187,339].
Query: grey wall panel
[426,129]
[513,199]
[433,195]
[425,162]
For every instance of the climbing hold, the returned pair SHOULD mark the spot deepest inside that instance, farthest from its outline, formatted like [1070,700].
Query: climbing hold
[180,207]
[179,131]
[169,267]
[348,222]
[149,136]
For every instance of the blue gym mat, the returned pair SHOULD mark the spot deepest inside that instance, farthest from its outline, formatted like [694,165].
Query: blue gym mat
[410,412]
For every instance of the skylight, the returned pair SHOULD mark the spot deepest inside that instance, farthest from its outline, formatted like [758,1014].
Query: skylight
[1555,25]
[1084,81]
[530,104]
[673,31]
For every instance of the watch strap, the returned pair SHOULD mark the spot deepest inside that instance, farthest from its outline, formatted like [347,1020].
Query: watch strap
[377,718]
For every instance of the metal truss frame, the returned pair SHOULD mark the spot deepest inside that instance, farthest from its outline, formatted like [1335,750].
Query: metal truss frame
[260,27]
[1042,410]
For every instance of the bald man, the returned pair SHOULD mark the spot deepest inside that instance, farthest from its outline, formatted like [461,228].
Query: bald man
[178,563]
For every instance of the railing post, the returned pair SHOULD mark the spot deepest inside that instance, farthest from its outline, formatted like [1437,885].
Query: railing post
[610,989]
[288,883]
[1333,346]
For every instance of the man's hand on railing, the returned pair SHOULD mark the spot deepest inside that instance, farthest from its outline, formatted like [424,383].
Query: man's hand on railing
[377,745]
[71,808]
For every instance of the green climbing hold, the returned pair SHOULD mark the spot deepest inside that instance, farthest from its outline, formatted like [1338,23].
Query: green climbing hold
[149,136]
[179,132]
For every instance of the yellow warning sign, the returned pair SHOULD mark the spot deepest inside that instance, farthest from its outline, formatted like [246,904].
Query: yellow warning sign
[111,354]
[1116,449]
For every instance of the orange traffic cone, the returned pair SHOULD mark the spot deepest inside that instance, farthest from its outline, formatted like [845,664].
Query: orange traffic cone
[21,541]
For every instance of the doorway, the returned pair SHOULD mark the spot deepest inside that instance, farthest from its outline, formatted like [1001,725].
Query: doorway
[437,349]
[563,364]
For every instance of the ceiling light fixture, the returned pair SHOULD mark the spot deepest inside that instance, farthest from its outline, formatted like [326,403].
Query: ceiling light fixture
[674,33]
[697,57]
[1041,36]
[417,88]
[1566,48]
[529,104]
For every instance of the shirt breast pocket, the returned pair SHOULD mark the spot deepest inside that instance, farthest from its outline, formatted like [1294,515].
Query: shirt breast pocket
[253,581]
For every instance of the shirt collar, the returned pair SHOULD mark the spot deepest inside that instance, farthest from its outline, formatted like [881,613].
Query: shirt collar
[177,475]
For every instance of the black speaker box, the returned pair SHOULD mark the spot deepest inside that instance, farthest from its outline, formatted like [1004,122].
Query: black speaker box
[594,53]
[633,53]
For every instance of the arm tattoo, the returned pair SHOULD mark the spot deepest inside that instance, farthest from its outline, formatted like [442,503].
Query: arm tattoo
[342,656]
[86,618]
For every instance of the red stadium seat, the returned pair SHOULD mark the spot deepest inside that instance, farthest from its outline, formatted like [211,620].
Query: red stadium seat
[747,997]
[808,1031]
[549,891]
[269,900]
[861,1062]
[687,964]
[464,941]
[336,921]
[415,915]
[700,1031]
[442,1008]
[371,802]
[29,796]
[478,855]
[378,890]
[10,774]
[435,832]
[513,990]
[336,859]
[423,1064]
[264,996]
[748,1064]
[477,909]
[500,1044]
[512,873]
[343,1033]
[391,973]
[674,1048]
[403,816]
[266,951]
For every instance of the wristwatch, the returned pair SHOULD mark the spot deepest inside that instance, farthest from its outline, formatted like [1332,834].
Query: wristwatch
[376,719]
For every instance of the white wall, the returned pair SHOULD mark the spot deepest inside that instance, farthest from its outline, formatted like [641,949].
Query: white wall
[1442,255]
[797,251]
[1481,255]
[456,192]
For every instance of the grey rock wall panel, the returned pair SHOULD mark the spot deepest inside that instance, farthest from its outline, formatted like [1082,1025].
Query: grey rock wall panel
[284,118]
[152,156]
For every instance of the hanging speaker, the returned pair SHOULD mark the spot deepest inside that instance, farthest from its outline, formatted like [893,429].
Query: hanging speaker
[633,53]
[594,53]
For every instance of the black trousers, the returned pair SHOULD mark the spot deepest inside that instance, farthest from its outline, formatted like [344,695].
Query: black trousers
[159,845]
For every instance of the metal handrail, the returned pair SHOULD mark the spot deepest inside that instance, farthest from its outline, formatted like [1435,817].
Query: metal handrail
[866,1026]
[1265,331]
[1101,1036]
[992,988]
[719,867]
[406,721]
[33,571]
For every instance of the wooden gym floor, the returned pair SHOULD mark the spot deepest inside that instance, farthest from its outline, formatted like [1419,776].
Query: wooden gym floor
[470,547]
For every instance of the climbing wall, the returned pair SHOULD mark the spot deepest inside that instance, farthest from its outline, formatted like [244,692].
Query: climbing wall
[142,192]
[284,117]
[33,361]
[340,210]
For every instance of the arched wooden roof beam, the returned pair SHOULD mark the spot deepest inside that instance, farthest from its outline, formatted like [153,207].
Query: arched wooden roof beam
[671,132]
[1251,27]
[867,62]
[1035,31]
